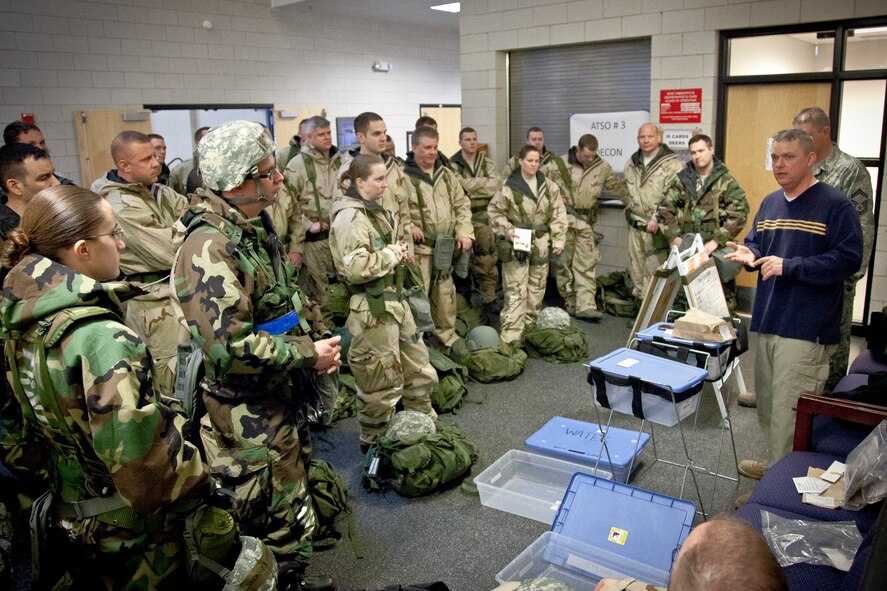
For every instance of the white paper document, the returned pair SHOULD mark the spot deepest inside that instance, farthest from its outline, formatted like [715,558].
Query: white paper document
[523,239]
[834,472]
[805,484]
[819,501]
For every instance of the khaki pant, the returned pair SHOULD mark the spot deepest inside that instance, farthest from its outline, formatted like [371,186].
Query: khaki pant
[484,262]
[642,260]
[442,295]
[319,261]
[575,279]
[524,287]
[389,361]
[785,369]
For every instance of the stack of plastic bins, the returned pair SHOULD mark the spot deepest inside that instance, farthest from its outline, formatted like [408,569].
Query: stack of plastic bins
[606,529]
[652,389]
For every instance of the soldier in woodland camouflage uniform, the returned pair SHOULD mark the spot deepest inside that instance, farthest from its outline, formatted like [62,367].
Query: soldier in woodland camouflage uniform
[121,475]
[147,212]
[302,214]
[232,277]
[848,175]
[480,182]
[648,173]
[582,174]
[387,357]
[705,199]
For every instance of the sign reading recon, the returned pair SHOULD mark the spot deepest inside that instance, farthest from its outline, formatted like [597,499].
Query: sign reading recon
[616,133]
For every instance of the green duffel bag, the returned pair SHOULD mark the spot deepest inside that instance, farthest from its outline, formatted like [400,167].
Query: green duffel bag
[450,389]
[615,295]
[329,497]
[346,401]
[556,345]
[488,365]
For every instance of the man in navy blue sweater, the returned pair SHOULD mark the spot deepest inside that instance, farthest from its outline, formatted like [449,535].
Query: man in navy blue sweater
[805,241]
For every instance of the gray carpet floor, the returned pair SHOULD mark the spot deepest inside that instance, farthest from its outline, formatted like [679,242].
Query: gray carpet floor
[452,537]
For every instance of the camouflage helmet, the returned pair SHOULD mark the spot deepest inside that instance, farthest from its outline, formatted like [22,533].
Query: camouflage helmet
[231,152]
[409,426]
[552,317]
[482,337]
[543,584]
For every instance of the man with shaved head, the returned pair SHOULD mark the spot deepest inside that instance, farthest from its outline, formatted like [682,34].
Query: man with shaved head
[147,212]
[648,173]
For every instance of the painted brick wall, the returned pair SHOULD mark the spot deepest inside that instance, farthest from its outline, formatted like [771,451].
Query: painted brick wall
[60,55]
[684,55]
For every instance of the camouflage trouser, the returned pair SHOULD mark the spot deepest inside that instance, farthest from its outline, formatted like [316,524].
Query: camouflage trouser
[643,260]
[154,567]
[153,320]
[389,361]
[524,287]
[253,446]
[484,260]
[442,295]
[841,356]
[319,261]
[576,277]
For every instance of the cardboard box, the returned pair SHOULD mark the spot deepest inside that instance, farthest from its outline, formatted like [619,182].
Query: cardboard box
[697,325]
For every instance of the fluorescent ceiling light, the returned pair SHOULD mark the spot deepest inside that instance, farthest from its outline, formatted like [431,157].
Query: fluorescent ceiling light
[451,7]
[864,32]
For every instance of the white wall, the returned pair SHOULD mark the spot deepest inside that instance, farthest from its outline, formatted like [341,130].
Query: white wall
[60,55]
[684,36]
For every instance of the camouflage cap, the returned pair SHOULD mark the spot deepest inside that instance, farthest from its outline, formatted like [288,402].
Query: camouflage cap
[543,584]
[552,317]
[409,426]
[231,151]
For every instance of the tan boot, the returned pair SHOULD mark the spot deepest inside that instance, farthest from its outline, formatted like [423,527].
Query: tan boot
[747,399]
[742,500]
[753,469]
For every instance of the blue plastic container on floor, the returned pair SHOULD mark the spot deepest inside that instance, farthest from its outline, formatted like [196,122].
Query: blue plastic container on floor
[606,529]
[579,441]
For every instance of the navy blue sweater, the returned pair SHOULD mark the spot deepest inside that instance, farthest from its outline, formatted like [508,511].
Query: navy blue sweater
[819,238]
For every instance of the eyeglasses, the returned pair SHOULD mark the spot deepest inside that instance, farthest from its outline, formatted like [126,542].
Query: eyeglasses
[117,233]
[270,174]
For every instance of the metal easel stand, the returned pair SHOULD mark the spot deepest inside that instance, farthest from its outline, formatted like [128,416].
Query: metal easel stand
[689,467]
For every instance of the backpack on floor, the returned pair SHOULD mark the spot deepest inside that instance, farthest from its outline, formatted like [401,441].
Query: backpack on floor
[615,295]
[329,496]
[450,389]
[488,365]
[556,345]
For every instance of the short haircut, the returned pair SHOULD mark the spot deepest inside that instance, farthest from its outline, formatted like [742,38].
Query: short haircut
[316,122]
[155,136]
[588,142]
[814,116]
[425,121]
[526,150]
[465,130]
[700,137]
[16,129]
[12,160]
[199,131]
[362,121]
[124,139]
[534,128]
[729,555]
[796,135]
[424,132]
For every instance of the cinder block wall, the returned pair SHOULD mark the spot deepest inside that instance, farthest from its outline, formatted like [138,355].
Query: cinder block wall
[684,39]
[60,55]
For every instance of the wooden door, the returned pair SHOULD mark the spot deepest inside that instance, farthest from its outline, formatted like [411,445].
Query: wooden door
[96,129]
[287,119]
[755,113]
[449,122]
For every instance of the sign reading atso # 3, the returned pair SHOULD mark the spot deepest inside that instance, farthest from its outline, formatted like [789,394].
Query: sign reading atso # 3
[616,133]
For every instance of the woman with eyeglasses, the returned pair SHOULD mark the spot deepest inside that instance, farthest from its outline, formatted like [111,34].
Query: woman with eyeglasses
[80,410]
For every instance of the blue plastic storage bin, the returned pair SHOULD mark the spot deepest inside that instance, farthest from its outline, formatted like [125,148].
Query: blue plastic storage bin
[579,441]
[654,337]
[640,384]
[606,529]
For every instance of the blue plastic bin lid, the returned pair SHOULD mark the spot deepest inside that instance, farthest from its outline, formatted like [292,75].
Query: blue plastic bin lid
[662,331]
[628,363]
[581,441]
[629,530]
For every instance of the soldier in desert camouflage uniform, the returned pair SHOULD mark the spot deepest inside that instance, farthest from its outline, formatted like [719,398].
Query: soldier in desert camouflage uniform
[231,278]
[387,356]
[147,211]
[84,409]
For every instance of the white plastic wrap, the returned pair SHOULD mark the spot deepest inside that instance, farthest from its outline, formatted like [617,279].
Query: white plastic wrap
[865,478]
[794,541]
